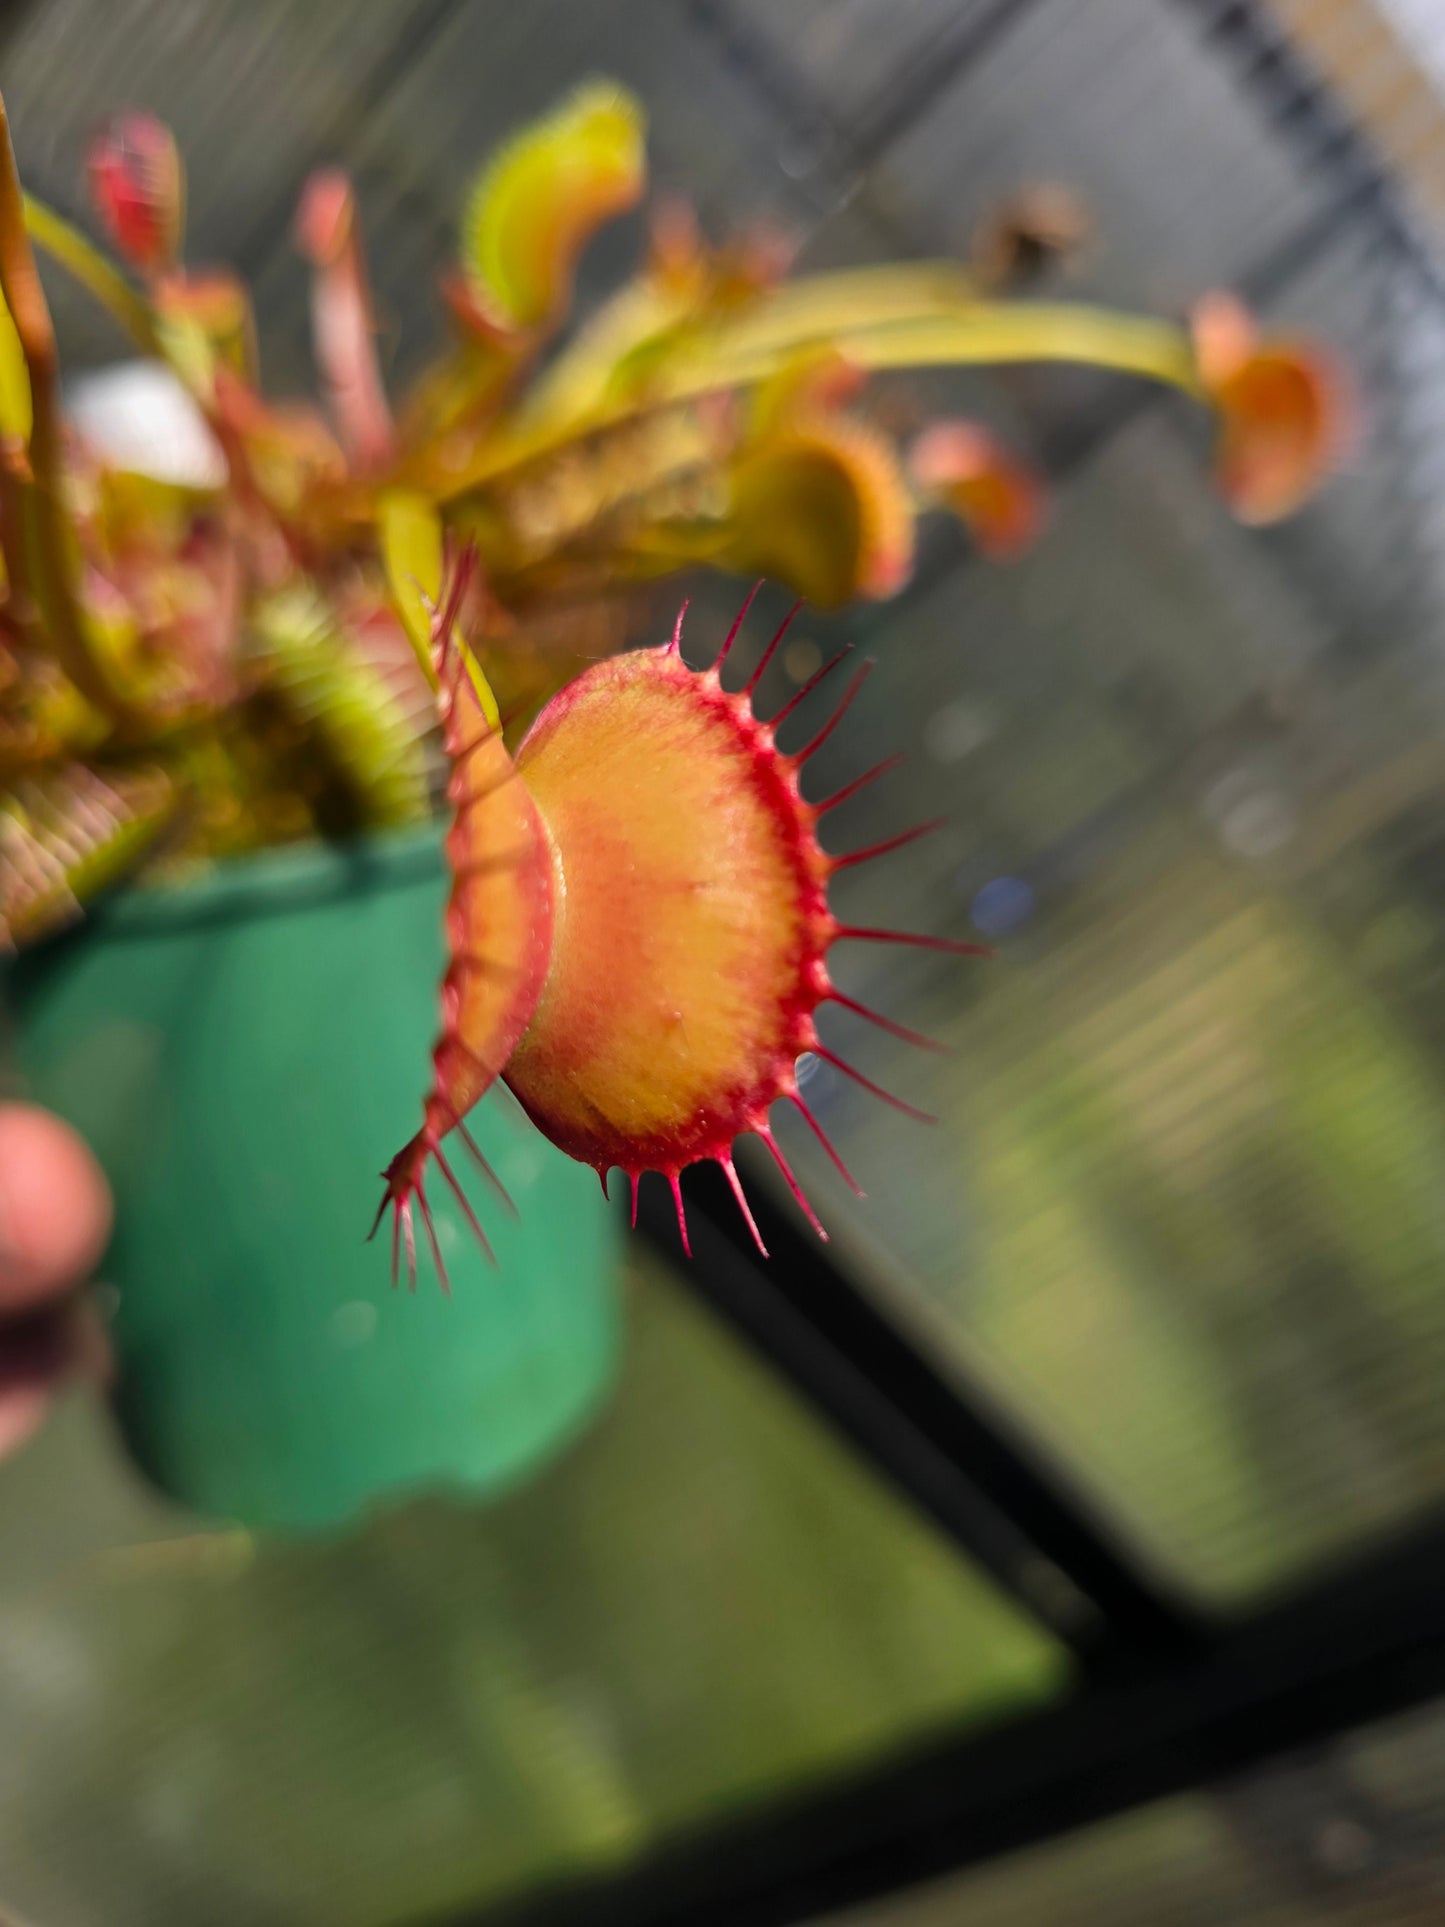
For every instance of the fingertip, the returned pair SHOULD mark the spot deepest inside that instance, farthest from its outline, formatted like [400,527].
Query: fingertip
[22,1408]
[55,1207]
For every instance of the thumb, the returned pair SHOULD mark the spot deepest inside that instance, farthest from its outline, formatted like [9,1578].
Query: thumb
[55,1208]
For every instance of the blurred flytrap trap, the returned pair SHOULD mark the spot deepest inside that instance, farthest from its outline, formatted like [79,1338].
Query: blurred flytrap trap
[245,648]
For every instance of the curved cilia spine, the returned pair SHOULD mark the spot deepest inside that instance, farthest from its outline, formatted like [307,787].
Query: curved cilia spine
[499,935]
[662,1011]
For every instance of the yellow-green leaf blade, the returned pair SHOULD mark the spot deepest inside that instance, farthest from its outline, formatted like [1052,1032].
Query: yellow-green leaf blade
[542,198]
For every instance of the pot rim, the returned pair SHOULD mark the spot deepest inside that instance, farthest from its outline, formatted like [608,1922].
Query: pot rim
[275,882]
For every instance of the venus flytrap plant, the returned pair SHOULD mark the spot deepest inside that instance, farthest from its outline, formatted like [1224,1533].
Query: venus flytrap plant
[639,926]
[639,923]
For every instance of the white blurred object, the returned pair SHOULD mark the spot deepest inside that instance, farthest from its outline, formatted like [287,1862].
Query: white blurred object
[137,416]
[1253,816]
[1421,25]
[956,730]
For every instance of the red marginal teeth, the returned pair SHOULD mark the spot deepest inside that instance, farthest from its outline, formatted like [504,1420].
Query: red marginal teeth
[792,1183]
[822,1136]
[436,1250]
[900,1031]
[760,667]
[461,1197]
[838,714]
[409,1234]
[876,1090]
[483,1165]
[673,1180]
[674,648]
[858,933]
[730,1171]
[808,687]
[662,1015]
[732,635]
[885,768]
[887,846]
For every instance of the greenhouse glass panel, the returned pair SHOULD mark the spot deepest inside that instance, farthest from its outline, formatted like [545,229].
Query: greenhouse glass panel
[705,1603]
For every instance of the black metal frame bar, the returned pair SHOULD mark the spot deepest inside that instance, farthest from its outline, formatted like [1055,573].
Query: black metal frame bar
[853,146]
[1291,98]
[933,1436]
[1357,1648]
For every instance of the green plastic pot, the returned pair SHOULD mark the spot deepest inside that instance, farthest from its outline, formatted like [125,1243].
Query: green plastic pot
[244,1055]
